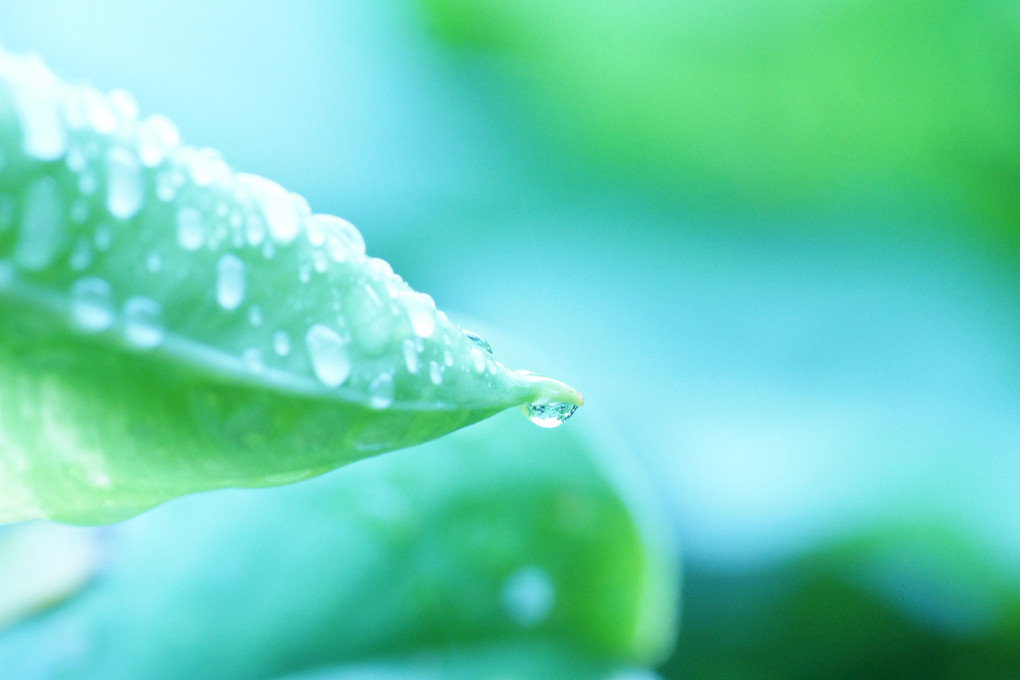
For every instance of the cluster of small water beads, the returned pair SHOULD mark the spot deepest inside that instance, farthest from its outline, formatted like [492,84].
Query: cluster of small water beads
[50,118]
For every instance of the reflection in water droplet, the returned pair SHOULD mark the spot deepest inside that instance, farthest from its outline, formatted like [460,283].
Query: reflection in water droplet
[411,356]
[92,304]
[124,191]
[143,322]
[380,391]
[189,228]
[230,283]
[549,414]
[328,353]
[478,341]
[528,596]
[39,238]
[281,343]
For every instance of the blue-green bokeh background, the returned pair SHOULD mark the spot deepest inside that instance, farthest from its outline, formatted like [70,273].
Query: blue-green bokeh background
[775,244]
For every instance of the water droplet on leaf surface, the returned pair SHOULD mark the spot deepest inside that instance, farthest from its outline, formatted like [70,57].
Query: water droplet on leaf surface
[328,352]
[528,596]
[478,341]
[92,304]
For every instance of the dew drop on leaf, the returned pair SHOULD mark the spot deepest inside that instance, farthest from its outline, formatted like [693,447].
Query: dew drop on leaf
[328,352]
[230,282]
[478,341]
[143,324]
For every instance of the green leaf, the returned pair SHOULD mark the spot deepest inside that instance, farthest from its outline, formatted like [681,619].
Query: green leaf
[496,534]
[484,662]
[168,325]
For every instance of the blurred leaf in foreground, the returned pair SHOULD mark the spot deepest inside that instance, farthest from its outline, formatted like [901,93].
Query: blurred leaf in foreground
[497,534]
[168,325]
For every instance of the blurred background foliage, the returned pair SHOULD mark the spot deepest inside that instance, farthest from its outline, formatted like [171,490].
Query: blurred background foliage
[775,244]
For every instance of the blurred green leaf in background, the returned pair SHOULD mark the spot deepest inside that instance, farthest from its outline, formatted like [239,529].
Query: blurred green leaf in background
[775,243]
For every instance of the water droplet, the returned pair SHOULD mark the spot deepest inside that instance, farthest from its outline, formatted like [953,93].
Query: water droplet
[435,373]
[319,261]
[92,304]
[189,228]
[76,161]
[374,327]
[478,359]
[253,360]
[41,234]
[448,357]
[206,166]
[7,274]
[88,183]
[281,343]
[165,187]
[549,414]
[342,239]
[98,111]
[255,315]
[277,206]
[328,352]
[81,254]
[79,212]
[143,322]
[123,104]
[528,596]
[123,183]
[478,341]
[421,311]
[153,262]
[305,273]
[37,100]
[411,356]
[230,281]
[380,391]
[103,237]
[156,136]
[254,230]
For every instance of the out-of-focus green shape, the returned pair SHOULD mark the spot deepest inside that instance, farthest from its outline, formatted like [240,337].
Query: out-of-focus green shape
[775,105]
[485,662]
[497,533]
[908,601]
[168,325]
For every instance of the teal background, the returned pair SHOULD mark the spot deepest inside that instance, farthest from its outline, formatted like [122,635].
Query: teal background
[774,245]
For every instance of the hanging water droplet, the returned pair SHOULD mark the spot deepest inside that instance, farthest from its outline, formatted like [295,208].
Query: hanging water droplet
[328,352]
[230,281]
[41,235]
[478,340]
[143,322]
[189,228]
[281,343]
[435,373]
[549,414]
[92,304]
[528,596]
[380,391]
